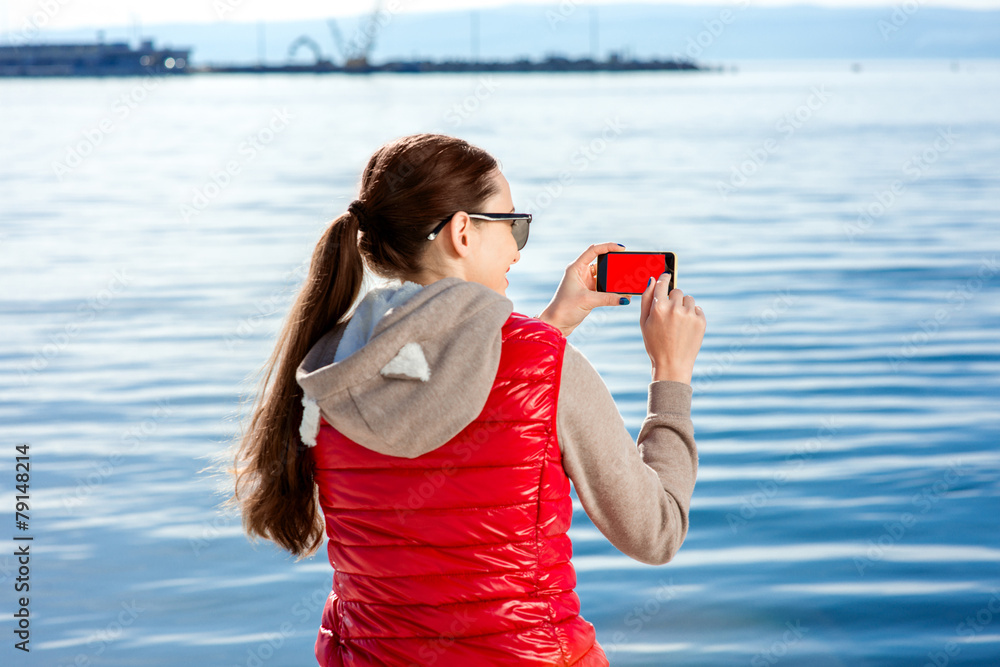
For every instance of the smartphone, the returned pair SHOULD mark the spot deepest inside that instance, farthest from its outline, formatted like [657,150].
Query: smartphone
[629,271]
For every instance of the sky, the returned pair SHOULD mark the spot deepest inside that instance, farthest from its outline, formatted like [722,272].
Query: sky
[66,14]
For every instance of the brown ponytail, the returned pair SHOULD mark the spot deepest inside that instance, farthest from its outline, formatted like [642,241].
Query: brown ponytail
[407,187]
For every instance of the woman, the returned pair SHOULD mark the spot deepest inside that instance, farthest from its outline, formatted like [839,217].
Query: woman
[433,433]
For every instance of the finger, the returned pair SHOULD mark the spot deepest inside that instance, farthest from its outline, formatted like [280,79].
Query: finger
[664,279]
[591,253]
[647,301]
[614,299]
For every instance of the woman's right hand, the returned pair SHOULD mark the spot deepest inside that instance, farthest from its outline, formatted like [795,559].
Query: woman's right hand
[672,329]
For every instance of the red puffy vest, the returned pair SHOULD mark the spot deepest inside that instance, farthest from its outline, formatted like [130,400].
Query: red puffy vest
[459,556]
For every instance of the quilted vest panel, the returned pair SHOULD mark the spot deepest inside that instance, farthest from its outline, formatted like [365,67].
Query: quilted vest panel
[459,556]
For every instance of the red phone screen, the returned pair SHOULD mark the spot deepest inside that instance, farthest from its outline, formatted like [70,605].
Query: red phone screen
[630,272]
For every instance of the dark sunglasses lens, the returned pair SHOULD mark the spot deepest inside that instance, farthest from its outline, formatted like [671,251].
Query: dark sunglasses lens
[520,231]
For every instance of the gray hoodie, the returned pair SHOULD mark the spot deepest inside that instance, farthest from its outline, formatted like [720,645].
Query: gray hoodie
[414,364]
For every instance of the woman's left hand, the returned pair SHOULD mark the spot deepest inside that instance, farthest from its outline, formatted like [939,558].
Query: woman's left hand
[577,294]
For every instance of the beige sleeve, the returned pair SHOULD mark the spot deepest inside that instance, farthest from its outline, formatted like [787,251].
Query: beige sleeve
[637,494]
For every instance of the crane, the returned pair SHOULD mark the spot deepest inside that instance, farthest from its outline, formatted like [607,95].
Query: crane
[357,50]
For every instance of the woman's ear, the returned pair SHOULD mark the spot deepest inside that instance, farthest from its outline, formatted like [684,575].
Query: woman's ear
[464,237]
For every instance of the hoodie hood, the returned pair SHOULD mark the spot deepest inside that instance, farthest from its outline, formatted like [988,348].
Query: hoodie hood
[411,368]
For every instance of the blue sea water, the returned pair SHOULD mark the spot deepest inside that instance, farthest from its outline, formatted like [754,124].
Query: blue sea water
[839,228]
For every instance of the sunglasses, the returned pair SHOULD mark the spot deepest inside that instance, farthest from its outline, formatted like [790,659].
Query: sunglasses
[519,229]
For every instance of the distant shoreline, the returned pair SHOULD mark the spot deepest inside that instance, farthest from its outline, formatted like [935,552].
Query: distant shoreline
[549,65]
[120,59]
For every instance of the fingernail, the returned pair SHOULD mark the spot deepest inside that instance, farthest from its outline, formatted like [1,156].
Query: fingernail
[650,282]
[623,301]
[622,244]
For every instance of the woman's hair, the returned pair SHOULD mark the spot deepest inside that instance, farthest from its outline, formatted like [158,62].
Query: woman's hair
[408,186]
